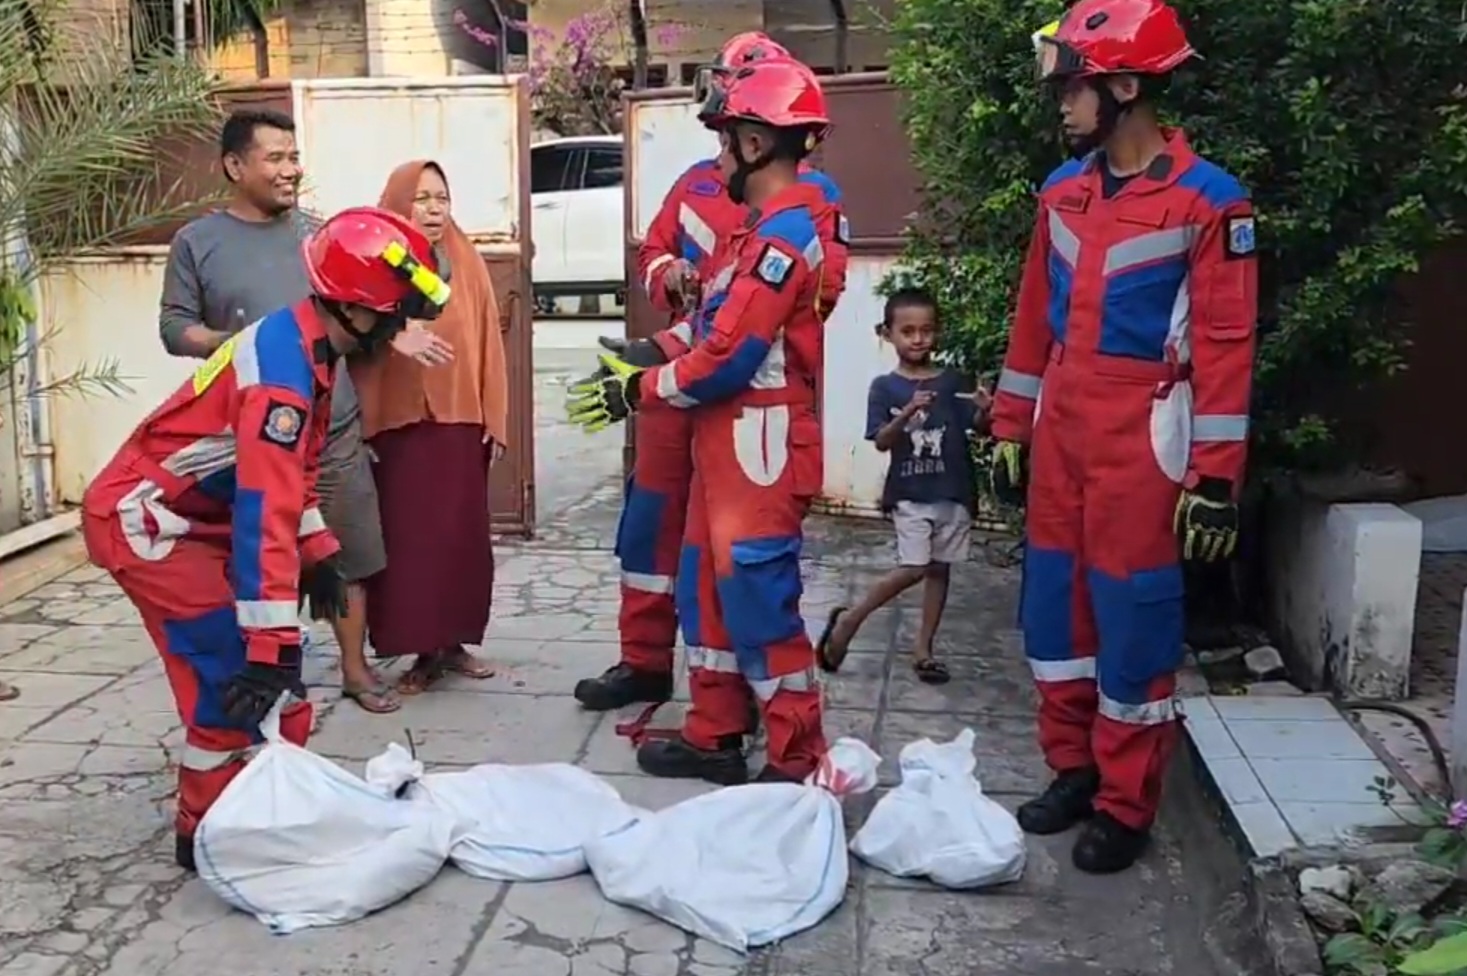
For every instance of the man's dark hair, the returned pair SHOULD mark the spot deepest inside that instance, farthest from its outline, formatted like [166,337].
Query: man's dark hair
[906,298]
[238,133]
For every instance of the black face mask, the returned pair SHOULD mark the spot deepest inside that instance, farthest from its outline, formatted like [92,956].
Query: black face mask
[738,183]
[385,325]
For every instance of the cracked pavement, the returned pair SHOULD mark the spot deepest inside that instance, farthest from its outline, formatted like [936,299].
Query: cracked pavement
[88,888]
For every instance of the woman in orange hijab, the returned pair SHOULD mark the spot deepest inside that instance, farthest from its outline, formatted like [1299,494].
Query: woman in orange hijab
[435,432]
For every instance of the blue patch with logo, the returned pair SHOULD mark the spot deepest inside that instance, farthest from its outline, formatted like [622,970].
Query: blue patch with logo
[774,267]
[705,188]
[1242,237]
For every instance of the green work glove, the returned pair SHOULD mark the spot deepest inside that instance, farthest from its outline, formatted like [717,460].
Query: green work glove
[1207,522]
[1008,474]
[606,397]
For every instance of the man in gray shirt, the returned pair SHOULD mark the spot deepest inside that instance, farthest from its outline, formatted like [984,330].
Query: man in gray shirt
[233,267]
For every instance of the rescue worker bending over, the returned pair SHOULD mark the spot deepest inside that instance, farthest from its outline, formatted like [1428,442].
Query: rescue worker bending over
[206,517]
[749,381]
[673,261]
[1136,314]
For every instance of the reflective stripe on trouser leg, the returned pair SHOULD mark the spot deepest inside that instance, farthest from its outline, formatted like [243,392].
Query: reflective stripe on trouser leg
[1141,620]
[1054,611]
[212,757]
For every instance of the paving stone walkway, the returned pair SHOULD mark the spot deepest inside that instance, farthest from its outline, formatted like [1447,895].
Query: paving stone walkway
[88,888]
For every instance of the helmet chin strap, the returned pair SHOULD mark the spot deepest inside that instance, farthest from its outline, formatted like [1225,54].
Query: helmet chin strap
[385,325]
[738,183]
[1112,110]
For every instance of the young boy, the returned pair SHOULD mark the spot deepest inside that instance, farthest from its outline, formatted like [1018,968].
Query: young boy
[922,414]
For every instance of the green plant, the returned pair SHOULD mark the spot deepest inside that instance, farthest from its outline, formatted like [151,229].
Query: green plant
[1347,118]
[1446,957]
[1445,841]
[1377,949]
[82,126]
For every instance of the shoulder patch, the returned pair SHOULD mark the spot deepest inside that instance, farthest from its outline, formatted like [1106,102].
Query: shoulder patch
[774,267]
[284,423]
[206,374]
[705,188]
[1241,241]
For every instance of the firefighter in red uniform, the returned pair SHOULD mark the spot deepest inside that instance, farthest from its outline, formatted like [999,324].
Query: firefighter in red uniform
[1136,317]
[207,515]
[749,381]
[674,259]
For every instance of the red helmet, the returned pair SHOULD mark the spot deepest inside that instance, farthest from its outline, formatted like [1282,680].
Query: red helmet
[1107,37]
[374,258]
[739,50]
[782,93]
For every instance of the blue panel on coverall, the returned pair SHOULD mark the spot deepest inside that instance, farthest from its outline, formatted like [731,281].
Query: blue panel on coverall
[281,353]
[1065,170]
[1141,625]
[1061,280]
[214,650]
[703,318]
[1137,312]
[794,227]
[691,252]
[761,600]
[245,573]
[733,375]
[638,529]
[219,485]
[685,597]
[1045,603]
[1217,186]
[829,192]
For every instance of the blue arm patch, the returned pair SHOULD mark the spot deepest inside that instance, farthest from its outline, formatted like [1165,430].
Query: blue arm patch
[1214,184]
[280,351]
[247,528]
[827,186]
[794,228]
[1065,170]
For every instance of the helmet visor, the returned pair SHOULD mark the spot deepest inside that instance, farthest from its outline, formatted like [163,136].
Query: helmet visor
[1055,59]
[711,95]
[706,79]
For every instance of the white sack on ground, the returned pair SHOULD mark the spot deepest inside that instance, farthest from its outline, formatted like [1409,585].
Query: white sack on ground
[298,842]
[938,824]
[746,865]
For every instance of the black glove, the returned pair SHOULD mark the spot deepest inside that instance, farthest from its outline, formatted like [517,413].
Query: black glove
[638,352]
[1207,521]
[249,695]
[1008,475]
[325,587]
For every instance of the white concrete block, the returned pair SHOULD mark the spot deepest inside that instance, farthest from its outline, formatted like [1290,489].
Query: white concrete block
[1343,594]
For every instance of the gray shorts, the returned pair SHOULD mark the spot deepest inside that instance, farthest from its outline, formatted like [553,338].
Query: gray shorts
[931,532]
[349,503]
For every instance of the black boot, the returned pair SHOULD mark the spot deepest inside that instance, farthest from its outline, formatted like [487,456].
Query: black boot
[1063,804]
[771,775]
[1106,845]
[676,759]
[183,853]
[754,716]
[621,685]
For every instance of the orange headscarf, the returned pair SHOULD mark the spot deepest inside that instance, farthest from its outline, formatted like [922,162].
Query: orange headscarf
[396,391]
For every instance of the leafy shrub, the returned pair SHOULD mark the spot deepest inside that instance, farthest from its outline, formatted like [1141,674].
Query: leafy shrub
[1346,118]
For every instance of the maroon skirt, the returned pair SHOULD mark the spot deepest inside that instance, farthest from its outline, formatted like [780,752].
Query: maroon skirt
[433,488]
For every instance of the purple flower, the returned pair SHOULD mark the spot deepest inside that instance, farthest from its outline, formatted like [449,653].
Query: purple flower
[1457,815]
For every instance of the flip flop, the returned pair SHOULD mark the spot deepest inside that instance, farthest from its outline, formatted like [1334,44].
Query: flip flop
[424,674]
[830,663]
[8,692]
[931,671]
[466,664]
[377,699]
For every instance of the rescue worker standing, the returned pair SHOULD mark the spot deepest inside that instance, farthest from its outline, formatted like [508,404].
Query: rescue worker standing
[749,380]
[207,517]
[696,216]
[1136,314]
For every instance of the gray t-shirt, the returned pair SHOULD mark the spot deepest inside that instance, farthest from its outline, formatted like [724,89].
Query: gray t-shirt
[226,273]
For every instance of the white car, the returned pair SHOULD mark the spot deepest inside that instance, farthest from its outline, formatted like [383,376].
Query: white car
[577,217]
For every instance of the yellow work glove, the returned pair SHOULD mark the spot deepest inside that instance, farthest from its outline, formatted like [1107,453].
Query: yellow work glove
[1207,521]
[606,397]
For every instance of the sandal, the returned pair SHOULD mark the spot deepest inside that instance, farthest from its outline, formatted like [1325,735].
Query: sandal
[931,671]
[460,661]
[378,698]
[830,662]
[8,692]
[424,674]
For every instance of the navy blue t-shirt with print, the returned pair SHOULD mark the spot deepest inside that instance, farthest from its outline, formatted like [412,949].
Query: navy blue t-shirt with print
[930,463]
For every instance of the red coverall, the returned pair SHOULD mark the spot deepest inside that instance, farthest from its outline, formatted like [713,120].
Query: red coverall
[696,216]
[205,516]
[1137,313]
[751,375]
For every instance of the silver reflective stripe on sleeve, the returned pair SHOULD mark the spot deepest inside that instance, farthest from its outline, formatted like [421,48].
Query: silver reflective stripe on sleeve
[203,760]
[647,582]
[1073,669]
[684,332]
[667,389]
[1024,385]
[1219,427]
[652,266]
[1144,713]
[267,614]
[311,522]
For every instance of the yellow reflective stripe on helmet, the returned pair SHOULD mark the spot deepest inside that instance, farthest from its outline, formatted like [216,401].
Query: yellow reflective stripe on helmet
[423,279]
[1048,30]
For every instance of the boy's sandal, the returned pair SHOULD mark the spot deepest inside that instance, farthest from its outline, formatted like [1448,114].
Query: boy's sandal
[931,671]
[830,661]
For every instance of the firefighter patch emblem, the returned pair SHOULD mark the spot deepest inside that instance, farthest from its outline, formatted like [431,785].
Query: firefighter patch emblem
[283,424]
[1241,241]
[774,267]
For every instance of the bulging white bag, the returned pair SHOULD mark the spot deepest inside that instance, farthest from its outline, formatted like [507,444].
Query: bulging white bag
[298,842]
[516,823]
[938,824]
[746,865]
